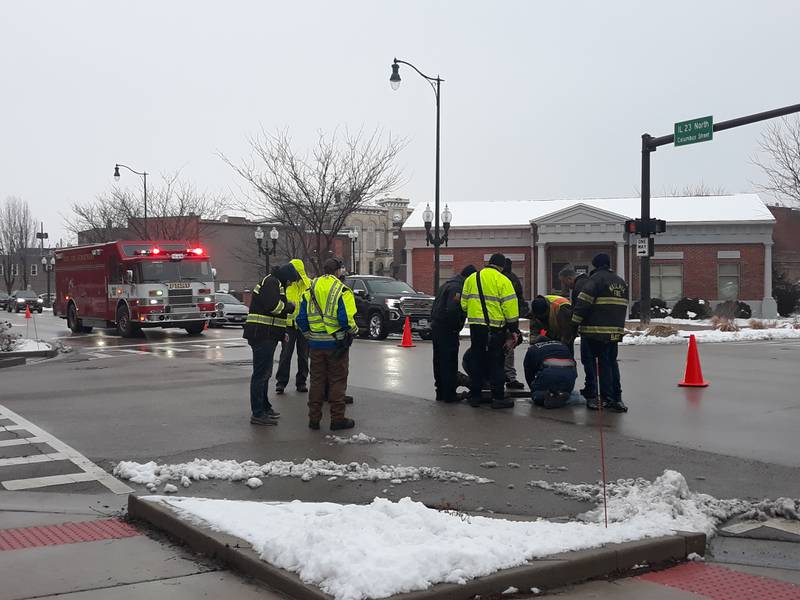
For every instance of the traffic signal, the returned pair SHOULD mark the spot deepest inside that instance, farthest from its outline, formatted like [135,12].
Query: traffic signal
[655,226]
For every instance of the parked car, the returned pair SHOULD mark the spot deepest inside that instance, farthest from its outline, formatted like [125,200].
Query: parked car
[43,297]
[383,303]
[230,310]
[20,299]
[4,300]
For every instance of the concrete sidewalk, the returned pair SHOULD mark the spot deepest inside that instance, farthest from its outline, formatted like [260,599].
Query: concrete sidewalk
[76,547]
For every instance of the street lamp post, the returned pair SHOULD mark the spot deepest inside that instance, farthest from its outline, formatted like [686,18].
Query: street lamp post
[143,175]
[353,235]
[266,251]
[48,266]
[435,83]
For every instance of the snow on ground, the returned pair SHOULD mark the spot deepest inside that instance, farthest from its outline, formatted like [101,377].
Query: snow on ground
[354,552]
[152,475]
[28,345]
[358,438]
[714,336]
[668,501]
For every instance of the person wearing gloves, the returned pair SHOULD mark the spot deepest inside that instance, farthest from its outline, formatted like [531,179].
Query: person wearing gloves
[294,339]
[264,328]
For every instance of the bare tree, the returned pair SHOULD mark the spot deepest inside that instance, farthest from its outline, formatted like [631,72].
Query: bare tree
[172,208]
[17,235]
[309,196]
[696,189]
[780,161]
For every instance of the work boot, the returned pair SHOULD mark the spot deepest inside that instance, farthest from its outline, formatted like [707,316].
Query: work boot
[313,425]
[556,399]
[515,385]
[302,388]
[586,393]
[263,420]
[618,407]
[592,404]
[272,414]
[342,424]
[279,389]
[505,403]
[474,402]
[348,399]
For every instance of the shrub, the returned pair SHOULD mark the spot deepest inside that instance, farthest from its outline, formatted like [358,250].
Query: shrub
[723,324]
[733,309]
[7,338]
[658,309]
[662,331]
[761,324]
[691,308]
[786,294]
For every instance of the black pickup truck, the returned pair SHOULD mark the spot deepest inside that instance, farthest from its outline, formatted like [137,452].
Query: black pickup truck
[383,303]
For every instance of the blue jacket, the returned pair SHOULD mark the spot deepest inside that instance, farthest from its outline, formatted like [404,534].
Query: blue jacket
[302,324]
[547,362]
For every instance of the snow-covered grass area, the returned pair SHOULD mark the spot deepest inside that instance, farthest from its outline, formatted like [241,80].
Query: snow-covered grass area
[153,475]
[715,336]
[354,552]
[357,438]
[28,345]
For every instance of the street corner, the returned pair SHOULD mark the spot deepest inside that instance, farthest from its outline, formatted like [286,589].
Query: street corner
[446,554]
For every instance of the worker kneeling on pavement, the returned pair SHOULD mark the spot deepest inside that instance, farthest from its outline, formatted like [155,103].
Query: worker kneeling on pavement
[326,318]
[550,372]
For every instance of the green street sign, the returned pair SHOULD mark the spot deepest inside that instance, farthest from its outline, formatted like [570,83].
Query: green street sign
[694,131]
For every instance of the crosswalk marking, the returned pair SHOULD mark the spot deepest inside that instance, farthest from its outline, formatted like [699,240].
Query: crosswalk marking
[21,441]
[130,351]
[61,451]
[161,349]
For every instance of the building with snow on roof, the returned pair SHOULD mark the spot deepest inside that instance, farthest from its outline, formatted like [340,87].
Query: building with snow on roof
[715,247]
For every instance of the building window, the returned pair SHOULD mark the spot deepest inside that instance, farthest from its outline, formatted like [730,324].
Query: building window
[2,272]
[728,281]
[370,237]
[371,268]
[15,270]
[666,282]
[34,270]
[380,239]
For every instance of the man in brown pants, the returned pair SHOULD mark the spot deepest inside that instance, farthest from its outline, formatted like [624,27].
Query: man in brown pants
[326,318]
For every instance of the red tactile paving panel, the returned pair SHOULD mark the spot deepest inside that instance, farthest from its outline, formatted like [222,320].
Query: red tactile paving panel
[719,583]
[66,533]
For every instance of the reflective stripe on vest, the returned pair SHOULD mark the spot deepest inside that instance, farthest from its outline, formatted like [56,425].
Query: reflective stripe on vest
[322,327]
[269,320]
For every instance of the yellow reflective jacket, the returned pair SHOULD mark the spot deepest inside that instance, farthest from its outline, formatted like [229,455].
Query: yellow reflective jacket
[329,313]
[498,292]
[295,290]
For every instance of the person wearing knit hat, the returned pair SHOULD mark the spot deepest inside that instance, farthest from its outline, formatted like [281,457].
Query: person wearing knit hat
[599,316]
[490,302]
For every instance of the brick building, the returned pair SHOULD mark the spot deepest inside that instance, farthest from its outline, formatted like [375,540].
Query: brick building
[786,234]
[715,247]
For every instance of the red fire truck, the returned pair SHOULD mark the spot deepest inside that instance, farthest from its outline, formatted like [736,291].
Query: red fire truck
[134,284]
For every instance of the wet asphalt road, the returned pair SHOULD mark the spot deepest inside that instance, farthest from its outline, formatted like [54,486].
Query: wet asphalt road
[171,397]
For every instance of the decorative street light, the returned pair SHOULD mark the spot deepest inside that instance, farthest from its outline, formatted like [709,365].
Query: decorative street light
[48,266]
[436,240]
[266,251]
[353,235]
[142,174]
[435,83]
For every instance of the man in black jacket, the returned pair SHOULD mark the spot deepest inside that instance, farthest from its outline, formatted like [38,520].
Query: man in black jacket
[508,366]
[599,314]
[264,329]
[550,372]
[572,281]
[447,321]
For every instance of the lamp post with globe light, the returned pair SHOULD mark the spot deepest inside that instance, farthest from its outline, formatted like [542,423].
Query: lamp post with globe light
[266,251]
[48,266]
[353,235]
[435,83]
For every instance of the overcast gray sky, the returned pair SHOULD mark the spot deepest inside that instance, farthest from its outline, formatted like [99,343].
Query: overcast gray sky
[541,100]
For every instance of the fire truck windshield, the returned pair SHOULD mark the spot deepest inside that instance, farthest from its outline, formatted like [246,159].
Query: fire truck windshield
[167,270]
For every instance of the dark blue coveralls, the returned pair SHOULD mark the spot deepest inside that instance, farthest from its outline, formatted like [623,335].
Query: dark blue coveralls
[550,367]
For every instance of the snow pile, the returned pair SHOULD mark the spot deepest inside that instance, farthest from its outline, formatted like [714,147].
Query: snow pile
[358,438]
[667,501]
[28,345]
[8,338]
[715,336]
[354,552]
[200,469]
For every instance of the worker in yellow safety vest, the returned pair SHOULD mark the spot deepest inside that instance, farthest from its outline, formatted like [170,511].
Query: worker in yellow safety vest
[294,339]
[327,320]
[553,314]
[490,302]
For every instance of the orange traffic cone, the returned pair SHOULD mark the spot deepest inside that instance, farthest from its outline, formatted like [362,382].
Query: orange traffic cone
[694,373]
[27,312]
[407,343]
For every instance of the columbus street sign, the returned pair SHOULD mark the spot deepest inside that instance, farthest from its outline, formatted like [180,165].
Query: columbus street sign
[694,131]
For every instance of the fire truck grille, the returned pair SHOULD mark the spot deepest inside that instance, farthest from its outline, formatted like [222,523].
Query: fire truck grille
[417,307]
[180,297]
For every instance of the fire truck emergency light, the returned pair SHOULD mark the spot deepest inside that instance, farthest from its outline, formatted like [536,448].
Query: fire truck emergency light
[197,251]
[155,251]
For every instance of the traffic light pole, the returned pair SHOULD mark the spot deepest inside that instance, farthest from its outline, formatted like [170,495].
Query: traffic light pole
[651,144]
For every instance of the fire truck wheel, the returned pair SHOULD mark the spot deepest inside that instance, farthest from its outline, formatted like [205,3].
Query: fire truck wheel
[124,326]
[73,322]
[195,328]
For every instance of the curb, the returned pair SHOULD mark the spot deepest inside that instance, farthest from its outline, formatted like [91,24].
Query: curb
[549,573]
[12,361]
[32,354]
